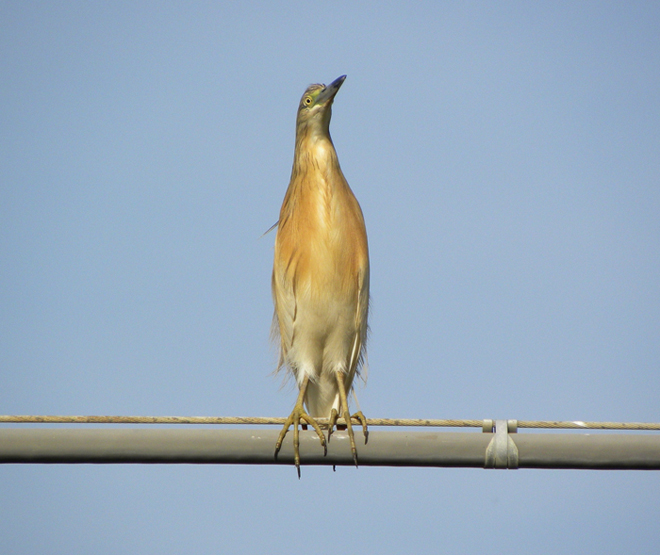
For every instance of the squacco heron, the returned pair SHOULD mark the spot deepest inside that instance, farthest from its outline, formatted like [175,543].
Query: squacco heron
[320,277]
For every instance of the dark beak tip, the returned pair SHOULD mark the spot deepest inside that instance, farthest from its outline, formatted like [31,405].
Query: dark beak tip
[338,82]
[329,91]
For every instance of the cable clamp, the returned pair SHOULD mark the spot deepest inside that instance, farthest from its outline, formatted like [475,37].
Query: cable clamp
[501,452]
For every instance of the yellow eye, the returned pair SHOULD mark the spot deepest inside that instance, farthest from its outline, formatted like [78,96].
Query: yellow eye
[308,100]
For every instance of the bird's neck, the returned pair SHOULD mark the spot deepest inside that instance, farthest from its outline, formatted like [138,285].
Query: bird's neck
[314,153]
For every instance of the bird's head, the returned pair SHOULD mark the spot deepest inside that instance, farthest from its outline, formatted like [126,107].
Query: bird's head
[315,105]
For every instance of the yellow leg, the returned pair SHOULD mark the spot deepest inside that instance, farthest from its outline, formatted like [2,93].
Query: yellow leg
[297,415]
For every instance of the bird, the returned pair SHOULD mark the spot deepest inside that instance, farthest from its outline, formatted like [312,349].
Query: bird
[320,280]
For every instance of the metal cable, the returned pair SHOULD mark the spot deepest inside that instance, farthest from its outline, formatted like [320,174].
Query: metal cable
[416,422]
[578,425]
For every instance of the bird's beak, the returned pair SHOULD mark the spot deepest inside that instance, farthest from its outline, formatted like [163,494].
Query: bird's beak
[330,91]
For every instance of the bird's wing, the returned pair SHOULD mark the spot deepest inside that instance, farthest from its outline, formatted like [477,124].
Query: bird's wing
[284,317]
[361,328]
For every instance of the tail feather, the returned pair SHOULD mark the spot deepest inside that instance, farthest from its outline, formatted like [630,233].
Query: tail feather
[322,396]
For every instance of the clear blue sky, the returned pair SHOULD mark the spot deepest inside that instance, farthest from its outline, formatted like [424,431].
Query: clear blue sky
[507,160]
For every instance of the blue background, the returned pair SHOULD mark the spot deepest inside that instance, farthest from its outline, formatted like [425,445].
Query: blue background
[506,156]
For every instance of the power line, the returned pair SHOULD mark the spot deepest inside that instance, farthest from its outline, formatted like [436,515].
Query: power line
[252,420]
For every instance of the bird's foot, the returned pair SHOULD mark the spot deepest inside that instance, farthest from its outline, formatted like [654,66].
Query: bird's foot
[332,423]
[299,418]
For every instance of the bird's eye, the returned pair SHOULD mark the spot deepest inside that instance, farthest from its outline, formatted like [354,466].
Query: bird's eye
[308,100]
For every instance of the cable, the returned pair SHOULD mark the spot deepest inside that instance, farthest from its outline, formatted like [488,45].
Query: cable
[251,420]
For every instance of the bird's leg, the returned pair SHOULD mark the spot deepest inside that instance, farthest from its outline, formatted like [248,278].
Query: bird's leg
[343,407]
[297,415]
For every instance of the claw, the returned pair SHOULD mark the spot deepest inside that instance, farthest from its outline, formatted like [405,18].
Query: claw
[343,407]
[363,420]
[351,436]
[332,422]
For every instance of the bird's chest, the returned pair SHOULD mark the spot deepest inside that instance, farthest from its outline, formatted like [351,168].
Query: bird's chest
[319,250]
[326,226]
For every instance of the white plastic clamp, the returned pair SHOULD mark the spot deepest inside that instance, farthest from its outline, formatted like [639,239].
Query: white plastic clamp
[501,452]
